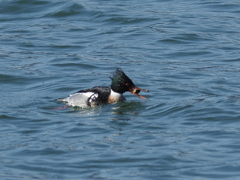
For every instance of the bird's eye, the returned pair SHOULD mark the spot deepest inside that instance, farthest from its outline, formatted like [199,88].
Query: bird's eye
[127,84]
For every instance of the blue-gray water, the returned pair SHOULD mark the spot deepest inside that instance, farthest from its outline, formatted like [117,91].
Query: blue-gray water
[187,53]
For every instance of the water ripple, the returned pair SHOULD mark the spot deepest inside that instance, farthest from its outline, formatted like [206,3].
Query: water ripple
[185,52]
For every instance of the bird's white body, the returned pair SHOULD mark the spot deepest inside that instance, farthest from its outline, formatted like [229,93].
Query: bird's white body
[80,99]
[86,99]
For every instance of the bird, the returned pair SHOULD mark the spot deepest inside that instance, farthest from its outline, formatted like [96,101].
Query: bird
[100,95]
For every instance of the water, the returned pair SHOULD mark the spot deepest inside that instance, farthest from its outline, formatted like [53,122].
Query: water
[185,52]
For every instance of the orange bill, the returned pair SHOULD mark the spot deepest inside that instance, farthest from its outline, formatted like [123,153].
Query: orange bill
[136,90]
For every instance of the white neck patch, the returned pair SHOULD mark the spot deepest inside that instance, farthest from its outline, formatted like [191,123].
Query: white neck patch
[115,97]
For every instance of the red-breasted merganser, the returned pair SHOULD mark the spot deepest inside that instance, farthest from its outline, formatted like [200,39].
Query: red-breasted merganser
[102,94]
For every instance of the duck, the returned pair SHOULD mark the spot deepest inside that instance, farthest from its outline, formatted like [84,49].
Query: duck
[99,95]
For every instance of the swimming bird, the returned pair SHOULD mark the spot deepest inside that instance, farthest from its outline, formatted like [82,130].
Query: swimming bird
[99,95]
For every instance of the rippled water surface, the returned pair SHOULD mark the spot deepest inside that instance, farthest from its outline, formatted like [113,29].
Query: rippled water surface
[187,53]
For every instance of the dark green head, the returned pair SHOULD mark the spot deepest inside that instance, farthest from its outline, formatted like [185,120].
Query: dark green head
[122,83]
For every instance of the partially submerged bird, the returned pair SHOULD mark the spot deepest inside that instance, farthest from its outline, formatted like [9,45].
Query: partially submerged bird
[103,94]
